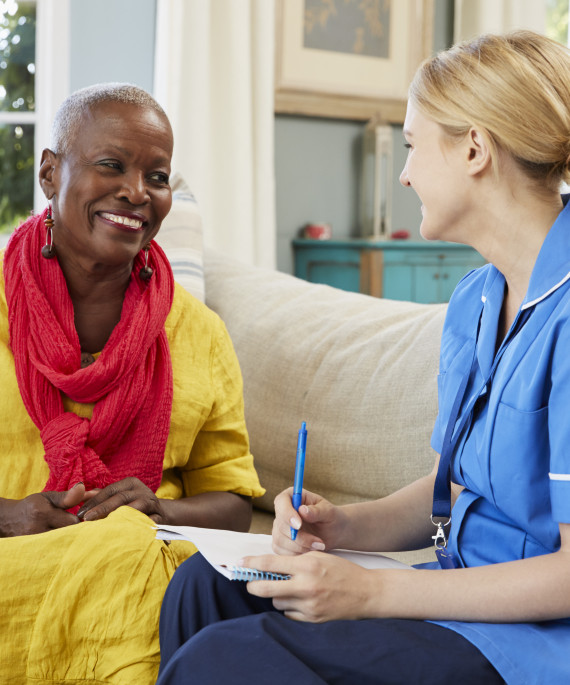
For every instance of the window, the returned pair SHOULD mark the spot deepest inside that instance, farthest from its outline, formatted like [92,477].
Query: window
[18,116]
[34,79]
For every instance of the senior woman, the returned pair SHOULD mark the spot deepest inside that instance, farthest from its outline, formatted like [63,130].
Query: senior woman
[488,137]
[118,388]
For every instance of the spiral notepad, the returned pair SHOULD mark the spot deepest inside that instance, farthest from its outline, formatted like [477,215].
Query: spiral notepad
[217,546]
[242,573]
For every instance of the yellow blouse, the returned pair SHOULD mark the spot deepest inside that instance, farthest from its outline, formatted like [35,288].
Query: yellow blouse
[207,447]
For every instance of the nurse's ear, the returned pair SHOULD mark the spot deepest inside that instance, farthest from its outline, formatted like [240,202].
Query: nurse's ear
[478,152]
[48,173]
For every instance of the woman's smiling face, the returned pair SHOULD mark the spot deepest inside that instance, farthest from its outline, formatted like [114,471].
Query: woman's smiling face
[435,169]
[111,191]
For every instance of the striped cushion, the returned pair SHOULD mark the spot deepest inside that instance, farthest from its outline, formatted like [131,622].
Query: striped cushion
[180,236]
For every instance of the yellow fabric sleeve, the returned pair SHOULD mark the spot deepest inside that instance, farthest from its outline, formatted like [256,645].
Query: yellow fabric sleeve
[220,458]
[208,447]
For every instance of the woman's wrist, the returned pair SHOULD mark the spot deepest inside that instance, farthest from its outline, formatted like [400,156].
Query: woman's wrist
[384,593]
[6,527]
[346,529]
[208,510]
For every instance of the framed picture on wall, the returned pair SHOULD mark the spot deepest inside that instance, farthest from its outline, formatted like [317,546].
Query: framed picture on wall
[349,59]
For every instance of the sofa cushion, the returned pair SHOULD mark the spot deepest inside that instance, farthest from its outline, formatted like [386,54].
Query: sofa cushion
[361,371]
[180,236]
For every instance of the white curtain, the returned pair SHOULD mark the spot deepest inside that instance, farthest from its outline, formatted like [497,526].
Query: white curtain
[473,17]
[214,76]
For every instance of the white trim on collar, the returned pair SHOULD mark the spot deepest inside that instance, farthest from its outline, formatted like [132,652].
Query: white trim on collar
[546,294]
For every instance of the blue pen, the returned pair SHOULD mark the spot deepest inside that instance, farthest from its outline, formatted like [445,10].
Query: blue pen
[299,470]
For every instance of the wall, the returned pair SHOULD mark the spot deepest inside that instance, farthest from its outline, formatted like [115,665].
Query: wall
[318,173]
[112,41]
[318,169]
[318,161]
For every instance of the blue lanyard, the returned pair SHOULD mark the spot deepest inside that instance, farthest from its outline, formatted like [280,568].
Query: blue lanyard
[442,487]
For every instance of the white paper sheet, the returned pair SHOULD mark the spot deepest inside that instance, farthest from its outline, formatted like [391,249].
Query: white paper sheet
[224,548]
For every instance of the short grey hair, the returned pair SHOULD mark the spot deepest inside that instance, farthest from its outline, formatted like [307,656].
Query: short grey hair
[72,110]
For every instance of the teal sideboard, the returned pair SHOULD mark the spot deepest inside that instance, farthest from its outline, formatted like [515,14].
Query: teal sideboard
[395,269]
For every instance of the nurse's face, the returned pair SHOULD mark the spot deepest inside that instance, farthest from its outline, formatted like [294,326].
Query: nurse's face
[434,169]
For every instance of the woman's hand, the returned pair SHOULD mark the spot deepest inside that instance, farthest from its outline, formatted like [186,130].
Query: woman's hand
[129,491]
[39,512]
[207,510]
[322,587]
[318,522]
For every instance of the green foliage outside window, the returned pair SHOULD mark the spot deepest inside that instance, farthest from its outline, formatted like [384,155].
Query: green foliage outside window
[16,175]
[17,70]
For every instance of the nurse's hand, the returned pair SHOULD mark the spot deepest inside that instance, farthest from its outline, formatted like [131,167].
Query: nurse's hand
[126,492]
[39,512]
[318,523]
[322,587]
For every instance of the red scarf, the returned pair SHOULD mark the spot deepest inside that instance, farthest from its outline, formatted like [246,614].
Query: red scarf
[130,382]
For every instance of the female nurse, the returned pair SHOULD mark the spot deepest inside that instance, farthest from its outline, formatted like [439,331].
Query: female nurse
[488,133]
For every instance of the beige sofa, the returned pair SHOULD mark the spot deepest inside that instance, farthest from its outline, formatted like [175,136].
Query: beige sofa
[361,371]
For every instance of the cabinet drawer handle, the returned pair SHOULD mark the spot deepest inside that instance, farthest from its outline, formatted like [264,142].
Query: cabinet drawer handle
[436,276]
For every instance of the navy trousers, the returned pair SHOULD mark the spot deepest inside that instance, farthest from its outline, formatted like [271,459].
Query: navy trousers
[213,631]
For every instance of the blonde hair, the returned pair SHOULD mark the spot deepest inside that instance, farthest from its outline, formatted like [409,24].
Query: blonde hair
[515,88]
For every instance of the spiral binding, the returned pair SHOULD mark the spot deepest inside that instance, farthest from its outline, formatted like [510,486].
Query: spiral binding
[247,574]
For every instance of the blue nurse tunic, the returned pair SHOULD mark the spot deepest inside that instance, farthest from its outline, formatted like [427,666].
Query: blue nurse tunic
[513,456]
